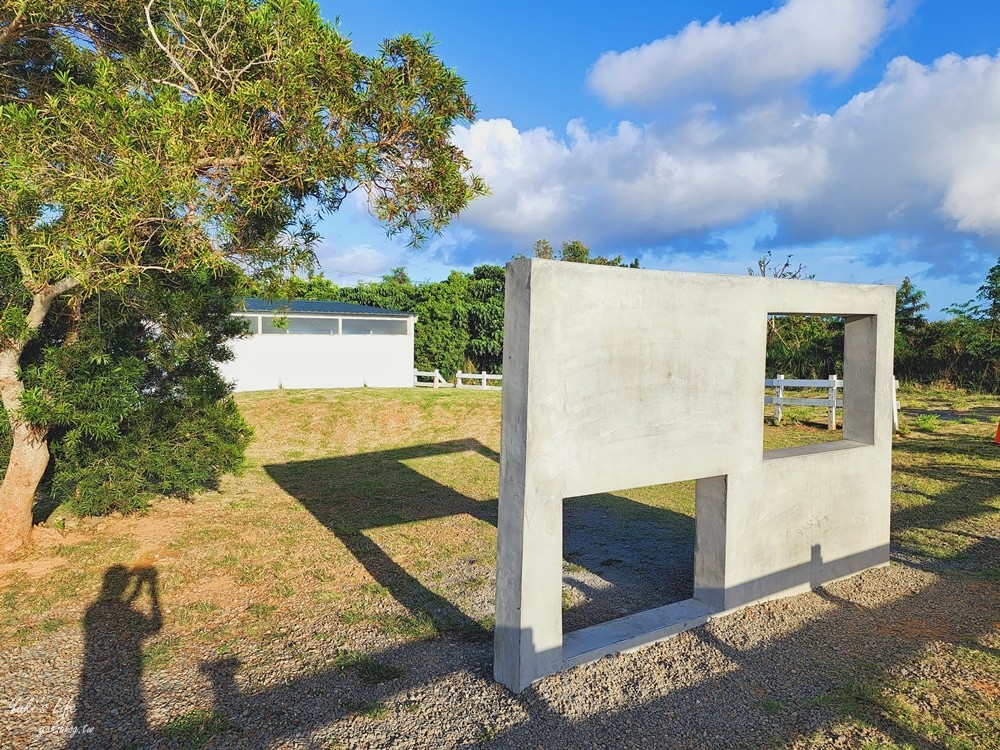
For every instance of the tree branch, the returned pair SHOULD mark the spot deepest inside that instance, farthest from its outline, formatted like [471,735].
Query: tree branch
[173,60]
[42,300]
[12,27]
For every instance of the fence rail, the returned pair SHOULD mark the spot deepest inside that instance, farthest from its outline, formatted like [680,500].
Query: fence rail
[779,383]
[482,377]
[436,380]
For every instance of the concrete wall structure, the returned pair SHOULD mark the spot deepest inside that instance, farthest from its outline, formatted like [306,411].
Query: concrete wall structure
[346,356]
[621,378]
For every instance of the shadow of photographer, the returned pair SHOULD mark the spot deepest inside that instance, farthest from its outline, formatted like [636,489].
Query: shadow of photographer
[110,701]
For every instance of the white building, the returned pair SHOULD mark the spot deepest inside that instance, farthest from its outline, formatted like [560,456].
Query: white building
[321,345]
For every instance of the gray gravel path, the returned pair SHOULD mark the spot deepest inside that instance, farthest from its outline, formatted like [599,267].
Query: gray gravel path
[750,679]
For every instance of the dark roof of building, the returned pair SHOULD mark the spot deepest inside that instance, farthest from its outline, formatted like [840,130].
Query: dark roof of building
[314,307]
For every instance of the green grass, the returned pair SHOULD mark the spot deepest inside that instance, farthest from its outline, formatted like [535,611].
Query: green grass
[928,422]
[369,710]
[160,653]
[193,730]
[416,627]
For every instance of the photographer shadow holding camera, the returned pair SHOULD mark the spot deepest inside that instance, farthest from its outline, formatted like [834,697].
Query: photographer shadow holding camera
[110,705]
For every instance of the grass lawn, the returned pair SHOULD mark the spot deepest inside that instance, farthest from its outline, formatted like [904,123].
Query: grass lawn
[373,512]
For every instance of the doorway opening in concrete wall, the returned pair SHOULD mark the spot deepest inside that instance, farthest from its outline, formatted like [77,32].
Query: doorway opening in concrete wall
[626,552]
[803,380]
[641,565]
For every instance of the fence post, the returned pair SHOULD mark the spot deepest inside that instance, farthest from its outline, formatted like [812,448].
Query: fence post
[895,406]
[415,378]
[437,377]
[831,423]
[484,380]
[458,379]
[779,392]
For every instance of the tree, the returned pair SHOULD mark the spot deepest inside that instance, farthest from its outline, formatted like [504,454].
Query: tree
[574,251]
[397,275]
[975,332]
[766,269]
[543,249]
[910,306]
[486,295]
[143,141]
[136,405]
[442,329]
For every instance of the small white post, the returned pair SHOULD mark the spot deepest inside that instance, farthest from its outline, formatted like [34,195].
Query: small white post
[831,423]
[895,406]
[458,379]
[779,392]
[437,377]
[484,380]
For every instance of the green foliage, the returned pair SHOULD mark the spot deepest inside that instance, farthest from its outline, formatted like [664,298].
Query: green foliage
[486,295]
[805,346]
[146,155]
[910,306]
[574,251]
[442,332]
[963,350]
[127,386]
[543,249]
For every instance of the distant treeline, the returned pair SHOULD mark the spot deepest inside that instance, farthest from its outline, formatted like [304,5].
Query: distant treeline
[460,325]
[460,319]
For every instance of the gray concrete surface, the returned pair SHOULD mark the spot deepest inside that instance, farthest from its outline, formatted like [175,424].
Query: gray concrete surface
[619,378]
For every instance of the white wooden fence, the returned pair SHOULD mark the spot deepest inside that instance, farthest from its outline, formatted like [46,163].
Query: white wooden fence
[481,377]
[779,383]
[830,401]
[436,381]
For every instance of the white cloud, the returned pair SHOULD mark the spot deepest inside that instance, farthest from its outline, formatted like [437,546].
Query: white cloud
[628,183]
[917,156]
[790,44]
[919,152]
[357,263]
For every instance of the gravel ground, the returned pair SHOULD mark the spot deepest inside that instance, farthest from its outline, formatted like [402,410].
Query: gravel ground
[747,680]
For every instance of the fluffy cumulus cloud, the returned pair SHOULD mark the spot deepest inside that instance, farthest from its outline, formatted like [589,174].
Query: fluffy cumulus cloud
[917,156]
[630,183]
[790,44]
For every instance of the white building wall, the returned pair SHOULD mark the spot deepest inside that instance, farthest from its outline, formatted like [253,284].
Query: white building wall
[316,361]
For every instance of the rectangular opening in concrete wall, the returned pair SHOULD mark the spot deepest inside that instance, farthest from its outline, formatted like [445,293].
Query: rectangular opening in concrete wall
[627,552]
[641,565]
[804,384]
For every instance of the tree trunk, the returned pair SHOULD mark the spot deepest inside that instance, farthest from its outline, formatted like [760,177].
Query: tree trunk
[28,459]
[29,456]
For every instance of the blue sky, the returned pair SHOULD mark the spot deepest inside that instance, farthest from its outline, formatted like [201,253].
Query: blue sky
[861,136]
